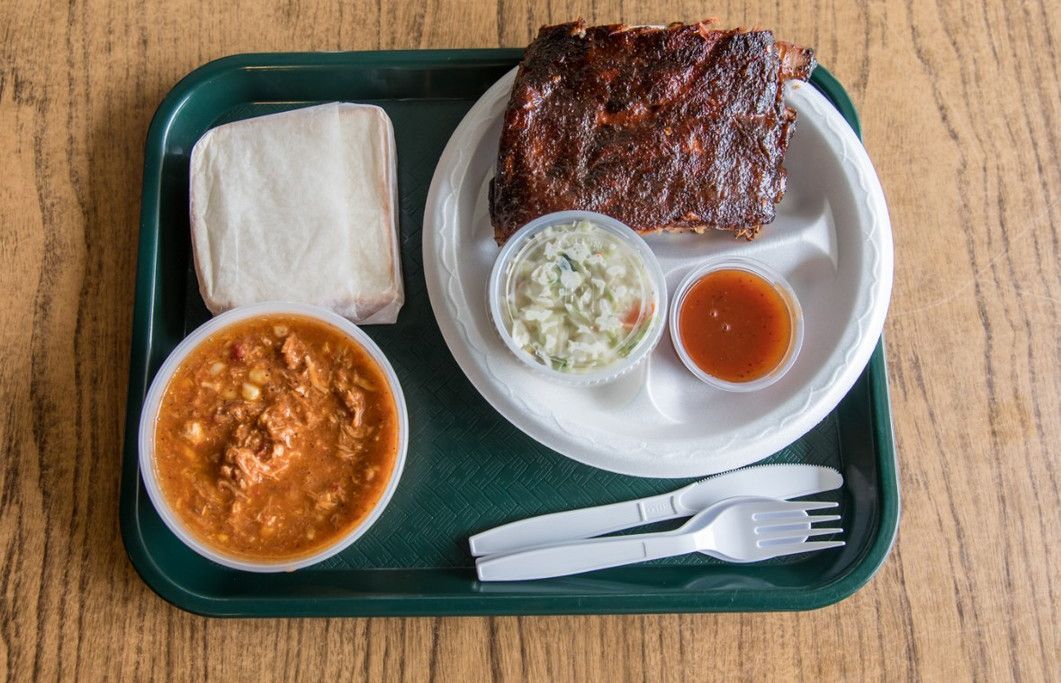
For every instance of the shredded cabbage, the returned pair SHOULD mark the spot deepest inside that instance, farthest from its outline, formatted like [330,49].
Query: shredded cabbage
[578,298]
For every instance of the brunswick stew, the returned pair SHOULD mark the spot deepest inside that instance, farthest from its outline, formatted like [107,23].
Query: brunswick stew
[275,436]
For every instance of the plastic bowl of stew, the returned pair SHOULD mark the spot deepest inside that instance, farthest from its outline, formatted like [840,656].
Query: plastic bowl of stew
[584,279]
[150,418]
[758,347]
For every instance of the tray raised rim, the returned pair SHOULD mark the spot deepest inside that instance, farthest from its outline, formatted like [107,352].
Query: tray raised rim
[395,604]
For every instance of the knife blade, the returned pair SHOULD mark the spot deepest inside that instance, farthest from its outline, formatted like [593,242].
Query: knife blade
[781,481]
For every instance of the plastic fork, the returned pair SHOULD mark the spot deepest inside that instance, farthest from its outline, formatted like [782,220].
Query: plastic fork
[743,529]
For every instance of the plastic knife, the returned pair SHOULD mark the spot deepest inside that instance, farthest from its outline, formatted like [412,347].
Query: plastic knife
[770,481]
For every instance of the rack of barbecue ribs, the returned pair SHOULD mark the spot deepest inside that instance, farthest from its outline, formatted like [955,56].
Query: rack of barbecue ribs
[678,128]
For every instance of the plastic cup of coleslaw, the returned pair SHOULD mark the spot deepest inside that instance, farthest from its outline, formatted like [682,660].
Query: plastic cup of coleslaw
[578,297]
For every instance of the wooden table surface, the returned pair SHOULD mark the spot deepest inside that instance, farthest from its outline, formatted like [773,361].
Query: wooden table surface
[960,105]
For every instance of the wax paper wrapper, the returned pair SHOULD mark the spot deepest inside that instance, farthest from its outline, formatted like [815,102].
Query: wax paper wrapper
[299,206]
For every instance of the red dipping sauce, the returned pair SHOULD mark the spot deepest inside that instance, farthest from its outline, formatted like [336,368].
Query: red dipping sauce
[735,325]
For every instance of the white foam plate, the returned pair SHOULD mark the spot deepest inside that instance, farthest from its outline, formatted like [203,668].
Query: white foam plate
[831,240]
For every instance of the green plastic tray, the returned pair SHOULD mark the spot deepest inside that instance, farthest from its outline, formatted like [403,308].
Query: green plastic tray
[468,469]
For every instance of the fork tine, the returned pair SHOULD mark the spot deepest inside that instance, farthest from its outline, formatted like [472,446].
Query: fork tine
[796,535]
[800,524]
[790,523]
[775,518]
[796,548]
[791,507]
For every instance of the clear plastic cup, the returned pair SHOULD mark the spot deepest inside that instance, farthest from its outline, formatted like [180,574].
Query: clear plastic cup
[153,401]
[780,285]
[514,250]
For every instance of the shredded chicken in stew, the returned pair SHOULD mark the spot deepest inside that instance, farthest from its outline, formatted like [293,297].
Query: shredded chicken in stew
[275,436]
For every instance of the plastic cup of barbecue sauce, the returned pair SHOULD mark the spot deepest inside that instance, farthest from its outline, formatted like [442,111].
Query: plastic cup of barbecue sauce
[736,324]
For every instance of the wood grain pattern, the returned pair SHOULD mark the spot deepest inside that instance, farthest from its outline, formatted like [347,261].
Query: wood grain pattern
[960,104]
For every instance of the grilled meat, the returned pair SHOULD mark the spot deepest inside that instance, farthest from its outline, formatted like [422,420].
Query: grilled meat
[680,128]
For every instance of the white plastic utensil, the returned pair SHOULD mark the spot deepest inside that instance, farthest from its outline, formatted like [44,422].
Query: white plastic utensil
[768,481]
[743,529]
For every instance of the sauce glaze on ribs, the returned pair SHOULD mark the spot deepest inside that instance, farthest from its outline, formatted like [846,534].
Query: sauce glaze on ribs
[679,128]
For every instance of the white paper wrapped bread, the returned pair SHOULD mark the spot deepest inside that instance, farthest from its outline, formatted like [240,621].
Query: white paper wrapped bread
[299,206]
